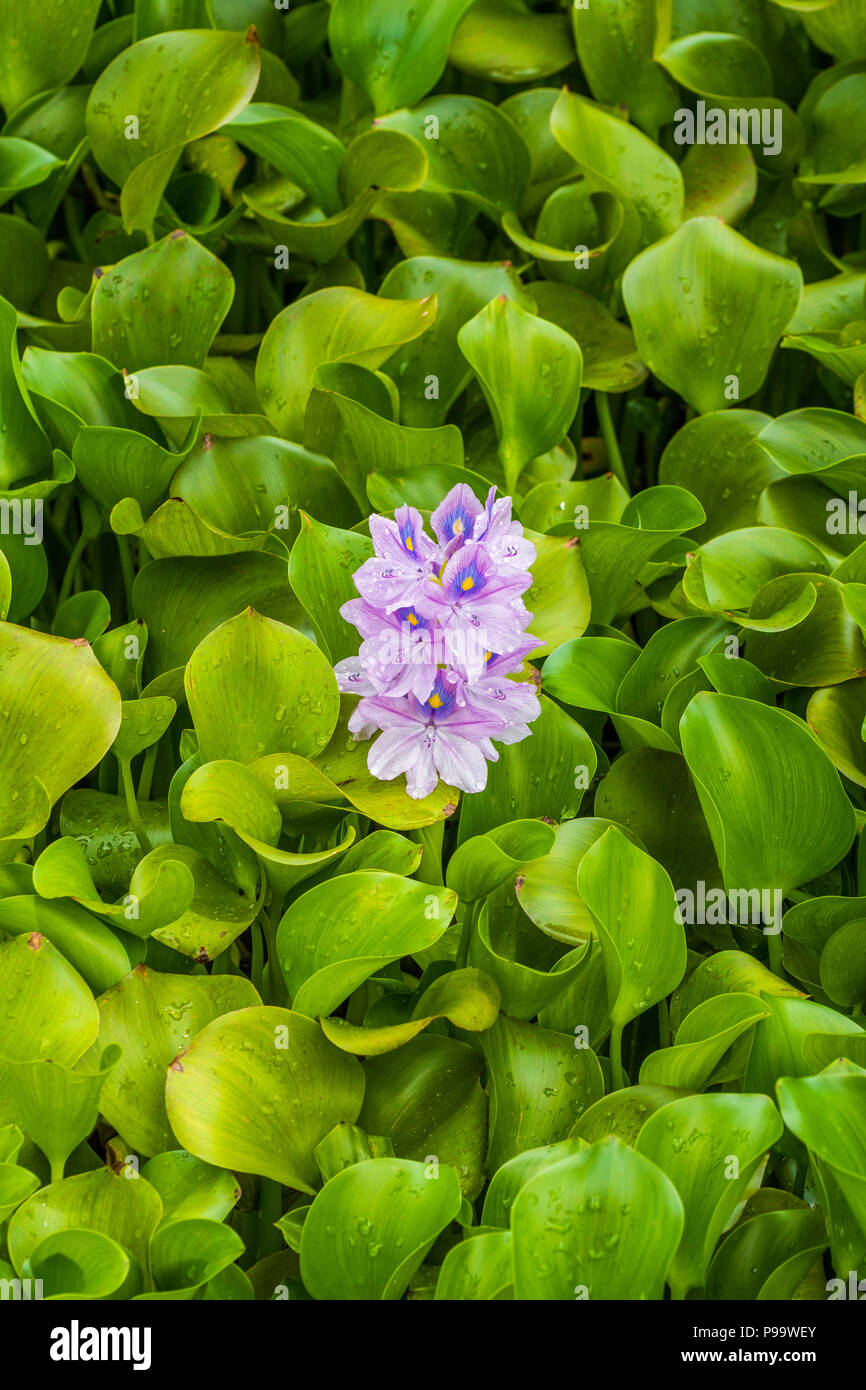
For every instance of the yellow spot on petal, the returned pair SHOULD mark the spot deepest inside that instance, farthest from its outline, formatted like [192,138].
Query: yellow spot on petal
[413,620]
[435,701]
[468,583]
[409,543]
[458,527]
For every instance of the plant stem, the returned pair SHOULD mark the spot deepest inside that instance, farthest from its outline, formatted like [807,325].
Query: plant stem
[664,1024]
[270,1209]
[611,443]
[72,567]
[257,967]
[145,781]
[617,1080]
[466,935]
[126,571]
[132,805]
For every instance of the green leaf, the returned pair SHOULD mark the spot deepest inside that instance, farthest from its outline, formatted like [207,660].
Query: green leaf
[467,998]
[24,449]
[616,44]
[622,1248]
[163,305]
[183,600]
[546,888]
[540,1083]
[477,153]
[188,1253]
[189,1188]
[394,56]
[698,1057]
[713,283]
[517,788]
[713,1149]
[506,42]
[152,1017]
[56,1107]
[49,682]
[512,1177]
[768,1253]
[36,978]
[616,158]
[479,1268]
[610,357]
[126,1209]
[530,372]
[257,1090]
[487,861]
[291,678]
[425,1098]
[826,1113]
[43,49]
[306,152]
[331,325]
[22,165]
[385,1208]
[462,289]
[207,80]
[78,1264]
[773,801]
[341,932]
[643,942]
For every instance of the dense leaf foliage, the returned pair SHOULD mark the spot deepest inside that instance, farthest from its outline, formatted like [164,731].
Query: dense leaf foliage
[327,323]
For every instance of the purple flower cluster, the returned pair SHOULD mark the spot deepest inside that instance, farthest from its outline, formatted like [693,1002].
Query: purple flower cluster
[444,627]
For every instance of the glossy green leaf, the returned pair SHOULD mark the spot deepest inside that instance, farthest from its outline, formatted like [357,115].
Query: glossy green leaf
[467,998]
[713,282]
[530,372]
[50,1011]
[153,1017]
[417,50]
[331,325]
[747,758]
[401,1207]
[624,1248]
[43,50]
[297,700]
[161,305]
[341,932]
[210,77]
[540,1084]
[257,1090]
[643,943]
[712,1148]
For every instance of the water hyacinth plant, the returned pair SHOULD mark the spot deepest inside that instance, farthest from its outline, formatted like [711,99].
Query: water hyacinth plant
[433,651]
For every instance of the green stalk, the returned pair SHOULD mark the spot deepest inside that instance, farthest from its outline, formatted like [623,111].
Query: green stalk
[617,1079]
[257,968]
[611,443]
[270,1209]
[472,912]
[145,781]
[72,568]
[126,571]
[664,1024]
[132,805]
